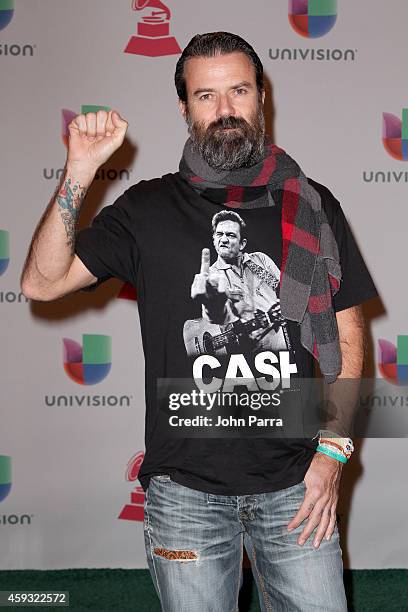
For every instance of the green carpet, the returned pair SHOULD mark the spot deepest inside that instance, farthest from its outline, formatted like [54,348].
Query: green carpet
[122,590]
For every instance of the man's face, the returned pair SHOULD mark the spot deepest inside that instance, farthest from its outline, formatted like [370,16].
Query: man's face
[224,111]
[227,240]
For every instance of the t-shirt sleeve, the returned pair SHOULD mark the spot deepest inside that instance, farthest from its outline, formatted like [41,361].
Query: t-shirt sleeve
[356,285]
[108,246]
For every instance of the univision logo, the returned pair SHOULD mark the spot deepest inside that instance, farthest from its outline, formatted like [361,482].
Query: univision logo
[395,135]
[8,297]
[102,174]
[5,476]
[4,250]
[88,401]
[393,363]
[110,174]
[5,488]
[312,18]
[6,13]
[90,363]
[13,297]
[395,142]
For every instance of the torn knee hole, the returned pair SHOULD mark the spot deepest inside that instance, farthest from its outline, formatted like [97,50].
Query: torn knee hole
[176,555]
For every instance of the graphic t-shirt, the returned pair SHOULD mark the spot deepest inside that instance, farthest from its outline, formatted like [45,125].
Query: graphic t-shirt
[153,237]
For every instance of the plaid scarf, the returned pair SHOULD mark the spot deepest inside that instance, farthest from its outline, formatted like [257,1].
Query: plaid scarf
[310,267]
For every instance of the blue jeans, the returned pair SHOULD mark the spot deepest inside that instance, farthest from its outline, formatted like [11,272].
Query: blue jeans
[194,545]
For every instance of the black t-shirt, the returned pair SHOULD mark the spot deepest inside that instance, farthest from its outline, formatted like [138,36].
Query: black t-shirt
[152,237]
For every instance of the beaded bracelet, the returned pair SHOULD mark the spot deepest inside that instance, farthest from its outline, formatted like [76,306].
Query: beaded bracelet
[343,450]
[331,443]
[345,445]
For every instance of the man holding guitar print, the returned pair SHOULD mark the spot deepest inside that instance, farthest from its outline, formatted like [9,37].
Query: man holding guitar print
[238,294]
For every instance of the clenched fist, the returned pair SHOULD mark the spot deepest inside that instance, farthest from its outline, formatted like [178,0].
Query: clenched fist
[210,288]
[94,137]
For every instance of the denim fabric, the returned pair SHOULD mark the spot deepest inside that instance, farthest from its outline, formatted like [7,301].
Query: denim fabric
[194,545]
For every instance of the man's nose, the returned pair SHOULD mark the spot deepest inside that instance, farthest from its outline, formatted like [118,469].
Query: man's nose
[225,107]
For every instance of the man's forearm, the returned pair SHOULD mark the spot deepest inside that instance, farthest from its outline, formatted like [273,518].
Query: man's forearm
[343,395]
[52,247]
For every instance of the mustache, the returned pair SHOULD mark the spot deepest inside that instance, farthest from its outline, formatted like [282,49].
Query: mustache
[227,122]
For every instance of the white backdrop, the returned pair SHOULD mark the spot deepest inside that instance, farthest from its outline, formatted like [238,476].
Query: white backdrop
[69,452]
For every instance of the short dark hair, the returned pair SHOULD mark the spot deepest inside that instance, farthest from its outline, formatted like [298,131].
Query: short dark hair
[212,44]
[229,215]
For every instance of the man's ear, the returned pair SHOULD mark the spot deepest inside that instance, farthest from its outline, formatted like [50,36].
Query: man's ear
[263,96]
[183,108]
[243,244]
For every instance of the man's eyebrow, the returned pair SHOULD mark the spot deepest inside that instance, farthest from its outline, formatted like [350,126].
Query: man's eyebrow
[209,90]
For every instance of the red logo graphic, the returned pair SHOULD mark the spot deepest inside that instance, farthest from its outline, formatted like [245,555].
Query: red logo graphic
[153,31]
[127,292]
[135,510]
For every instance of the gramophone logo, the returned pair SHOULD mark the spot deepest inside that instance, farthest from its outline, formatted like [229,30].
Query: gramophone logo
[135,510]
[153,31]
[69,115]
[4,251]
[395,135]
[90,363]
[312,18]
[5,476]
[6,12]
[393,363]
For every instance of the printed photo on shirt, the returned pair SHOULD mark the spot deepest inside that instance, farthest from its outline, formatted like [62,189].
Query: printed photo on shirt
[238,293]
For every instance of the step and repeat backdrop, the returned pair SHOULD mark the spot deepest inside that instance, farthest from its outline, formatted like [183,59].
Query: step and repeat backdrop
[71,444]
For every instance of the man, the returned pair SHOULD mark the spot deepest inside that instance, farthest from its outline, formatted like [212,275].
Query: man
[206,498]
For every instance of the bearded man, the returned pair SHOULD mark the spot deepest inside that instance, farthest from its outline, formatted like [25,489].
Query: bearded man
[205,499]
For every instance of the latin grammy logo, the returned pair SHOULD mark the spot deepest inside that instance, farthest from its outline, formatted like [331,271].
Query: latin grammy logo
[135,510]
[153,31]
[127,292]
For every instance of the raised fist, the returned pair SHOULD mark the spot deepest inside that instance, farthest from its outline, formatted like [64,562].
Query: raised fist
[94,137]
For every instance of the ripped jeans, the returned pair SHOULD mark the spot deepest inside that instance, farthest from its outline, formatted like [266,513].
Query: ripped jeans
[194,545]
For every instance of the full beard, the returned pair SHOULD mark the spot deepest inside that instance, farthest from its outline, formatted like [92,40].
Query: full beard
[229,149]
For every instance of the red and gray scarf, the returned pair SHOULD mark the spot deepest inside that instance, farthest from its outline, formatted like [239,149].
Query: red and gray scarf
[310,268]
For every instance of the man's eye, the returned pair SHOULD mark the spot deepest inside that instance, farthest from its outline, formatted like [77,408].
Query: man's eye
[205,97]
[241,91]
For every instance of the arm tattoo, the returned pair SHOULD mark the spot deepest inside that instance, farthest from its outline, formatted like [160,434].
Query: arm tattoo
[69,199]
